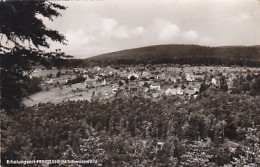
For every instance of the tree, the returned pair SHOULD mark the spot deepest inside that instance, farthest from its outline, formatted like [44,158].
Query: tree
[58,74]
[223,84]
[24,39]
[203,86]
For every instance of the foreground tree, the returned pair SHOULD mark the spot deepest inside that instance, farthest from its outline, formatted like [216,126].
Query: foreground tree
[24,39]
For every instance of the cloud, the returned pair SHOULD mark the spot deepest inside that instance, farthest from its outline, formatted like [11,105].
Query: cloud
[241,17]
[108,23]
[166,31]
[190,35]
[78,38]
[114,26]
[121,33]
[108,28]
[169,33]
[105,34]
[138,31]
[98,35]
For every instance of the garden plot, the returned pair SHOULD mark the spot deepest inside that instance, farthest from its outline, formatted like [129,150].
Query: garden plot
[73,92]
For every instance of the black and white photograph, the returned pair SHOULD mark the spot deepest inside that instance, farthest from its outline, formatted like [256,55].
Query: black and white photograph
[137,83]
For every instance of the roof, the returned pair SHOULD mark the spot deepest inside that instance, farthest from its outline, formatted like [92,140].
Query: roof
[155,84]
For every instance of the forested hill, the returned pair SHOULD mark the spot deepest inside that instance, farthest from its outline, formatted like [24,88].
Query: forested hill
[182,54]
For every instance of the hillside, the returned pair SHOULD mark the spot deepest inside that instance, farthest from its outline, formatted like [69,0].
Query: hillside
[182,54]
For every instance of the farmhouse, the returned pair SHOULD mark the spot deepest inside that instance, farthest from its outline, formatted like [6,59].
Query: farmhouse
[155,86]
[161,76]
[50,81]
[145,75]
[174,91]
[189,77]
[133,76]
[190,92]
[171,91]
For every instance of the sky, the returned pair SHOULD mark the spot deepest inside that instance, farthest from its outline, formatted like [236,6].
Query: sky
[94,27]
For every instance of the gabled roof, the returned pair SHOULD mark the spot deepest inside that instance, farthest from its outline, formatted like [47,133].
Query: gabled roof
[155,84]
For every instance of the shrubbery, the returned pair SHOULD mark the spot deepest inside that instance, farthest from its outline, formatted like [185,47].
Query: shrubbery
[78,79]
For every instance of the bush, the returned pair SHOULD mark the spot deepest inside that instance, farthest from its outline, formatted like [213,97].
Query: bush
[76,80]
[34,85]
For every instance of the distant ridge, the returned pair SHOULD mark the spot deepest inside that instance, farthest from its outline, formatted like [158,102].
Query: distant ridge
[181,54]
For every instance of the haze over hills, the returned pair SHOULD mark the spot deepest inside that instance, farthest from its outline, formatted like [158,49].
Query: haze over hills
[181,54]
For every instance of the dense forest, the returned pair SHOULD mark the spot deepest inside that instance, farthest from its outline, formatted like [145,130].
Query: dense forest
[181,54]
[214,129]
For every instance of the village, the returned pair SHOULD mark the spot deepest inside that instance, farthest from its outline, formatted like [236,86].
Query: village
[151,81]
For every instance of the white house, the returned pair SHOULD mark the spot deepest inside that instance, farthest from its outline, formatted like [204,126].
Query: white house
[88,81]
[162,76]
[174,91]
[214,81]
[85,76]
[104,82]
[172,79]
[96,68]
[189,77]
[180,92]
[155,86]
[49,81]
[145,74]
[133,75]
[155,95]
[114,90]
[170,91]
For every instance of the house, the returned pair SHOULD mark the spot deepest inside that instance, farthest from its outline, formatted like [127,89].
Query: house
[78,70]
[49,82]
[155,86]
[115,85]
[190,92]
[85,76]
[189,77]
[88,81]
[174,91]
[145,74]
[96,78]
[102,74]
[62,80]
[109,70]
[161,76]
[155,95]
[96,68]
[133,76]
[180,92]
[141,83]
[114,90]
[214,81]
[131,87]
[171,91]
[85,71]
[198,77]
[104,82]
[172,79]
[159,146]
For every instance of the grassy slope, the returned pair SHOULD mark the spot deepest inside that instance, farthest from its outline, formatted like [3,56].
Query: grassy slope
[182,54]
